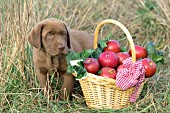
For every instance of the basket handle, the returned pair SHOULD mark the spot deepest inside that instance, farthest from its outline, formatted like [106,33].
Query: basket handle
[129,37]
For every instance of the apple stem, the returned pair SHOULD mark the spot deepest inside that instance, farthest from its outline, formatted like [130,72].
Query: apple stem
[150,63]
[89,61]
[111,71]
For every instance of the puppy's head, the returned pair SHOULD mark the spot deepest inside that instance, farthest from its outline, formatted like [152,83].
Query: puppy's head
[52,35]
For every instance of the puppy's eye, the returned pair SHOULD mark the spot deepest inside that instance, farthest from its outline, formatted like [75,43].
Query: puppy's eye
[49,35]
[63,33]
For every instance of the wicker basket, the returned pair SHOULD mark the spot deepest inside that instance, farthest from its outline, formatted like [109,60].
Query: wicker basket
[100,92]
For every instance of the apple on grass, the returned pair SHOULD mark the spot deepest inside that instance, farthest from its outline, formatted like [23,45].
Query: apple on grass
[108,72]
[108,58]
[112,45]
[141,52]
[91,65]
[150,67]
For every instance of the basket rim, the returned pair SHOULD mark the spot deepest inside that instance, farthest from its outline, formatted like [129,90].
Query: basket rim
[107,81]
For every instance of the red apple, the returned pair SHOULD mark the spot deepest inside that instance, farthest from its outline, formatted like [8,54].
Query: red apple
[113,46]
[108,58]
[122,56]
[150,67]
[91,65]
[108,72]
[140,52]
[120,67]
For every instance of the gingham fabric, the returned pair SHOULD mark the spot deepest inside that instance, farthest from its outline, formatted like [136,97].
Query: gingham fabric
[132,75]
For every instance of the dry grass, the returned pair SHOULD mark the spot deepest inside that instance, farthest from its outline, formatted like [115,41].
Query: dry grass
[18,84]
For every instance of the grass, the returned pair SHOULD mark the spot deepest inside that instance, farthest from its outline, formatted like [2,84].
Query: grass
[19,89]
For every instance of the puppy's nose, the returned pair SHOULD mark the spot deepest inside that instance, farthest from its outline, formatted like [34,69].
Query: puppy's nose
[60,48]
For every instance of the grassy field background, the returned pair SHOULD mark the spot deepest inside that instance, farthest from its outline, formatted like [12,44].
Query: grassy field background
[19,89]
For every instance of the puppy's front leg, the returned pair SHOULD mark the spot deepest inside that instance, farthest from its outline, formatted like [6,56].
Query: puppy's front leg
[42,78]
[67,87]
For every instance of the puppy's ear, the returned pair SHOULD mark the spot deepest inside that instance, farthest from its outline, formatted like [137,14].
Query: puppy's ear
[35,36]
[68,36]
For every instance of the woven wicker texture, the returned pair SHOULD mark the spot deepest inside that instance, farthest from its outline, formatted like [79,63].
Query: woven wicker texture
[100,92]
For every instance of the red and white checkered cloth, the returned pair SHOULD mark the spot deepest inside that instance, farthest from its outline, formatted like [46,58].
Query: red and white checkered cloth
[132,75]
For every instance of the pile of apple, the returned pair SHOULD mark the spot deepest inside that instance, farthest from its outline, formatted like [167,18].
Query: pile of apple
[110,60]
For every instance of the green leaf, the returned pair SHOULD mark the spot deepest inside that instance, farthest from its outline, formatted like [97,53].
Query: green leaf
[96,53]
[123,49]
[100,71]
[157,58]
[73,56]
[80,63]
[69,68]
[155,55]
[86,53]
[151,48]
[160,53]
[103,42]
[81,71]
[76,56]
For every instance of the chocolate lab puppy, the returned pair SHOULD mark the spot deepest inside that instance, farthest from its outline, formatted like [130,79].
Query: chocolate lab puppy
[51,40]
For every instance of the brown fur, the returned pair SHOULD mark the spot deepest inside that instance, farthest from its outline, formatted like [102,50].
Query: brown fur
[51,40]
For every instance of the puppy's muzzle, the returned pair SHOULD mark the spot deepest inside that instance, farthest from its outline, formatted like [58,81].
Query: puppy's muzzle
[61,48]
